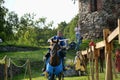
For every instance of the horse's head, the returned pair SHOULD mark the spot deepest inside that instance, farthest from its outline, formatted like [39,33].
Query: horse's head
[54,58]
[55,46]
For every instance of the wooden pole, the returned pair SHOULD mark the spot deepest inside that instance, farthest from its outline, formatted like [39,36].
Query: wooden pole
[105,35]
[89,63]
[5,71]
[92,65]
[96,52]
[119,29]
[29,68]
[11,74]
[108,56]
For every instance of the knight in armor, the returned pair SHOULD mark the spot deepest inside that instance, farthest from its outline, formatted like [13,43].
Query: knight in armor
[61,50]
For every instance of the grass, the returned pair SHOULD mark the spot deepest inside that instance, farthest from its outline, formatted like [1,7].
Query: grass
[34,56]
[66,78]
[37,56]
[101,77]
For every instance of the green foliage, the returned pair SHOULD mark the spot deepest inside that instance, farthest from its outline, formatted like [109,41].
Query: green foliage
[69,29]
[25,30]
[62,26]
[28,38]
[3,12]
[29,31]
[84,45]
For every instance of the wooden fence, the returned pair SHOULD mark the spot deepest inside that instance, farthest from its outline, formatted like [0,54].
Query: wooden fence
[108,37]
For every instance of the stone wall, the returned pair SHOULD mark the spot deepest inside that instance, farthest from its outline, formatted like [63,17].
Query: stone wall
[11,48]
[93,23]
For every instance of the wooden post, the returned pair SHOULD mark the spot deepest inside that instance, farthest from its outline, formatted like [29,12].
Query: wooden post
[29,70]
[90,57]
[105,35]
[89,62]
[96,53]
[92,68]
[119,29]
[5,71]
[108,56]
[11,74]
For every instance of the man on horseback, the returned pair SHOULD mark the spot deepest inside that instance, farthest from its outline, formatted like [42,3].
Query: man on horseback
[61,50]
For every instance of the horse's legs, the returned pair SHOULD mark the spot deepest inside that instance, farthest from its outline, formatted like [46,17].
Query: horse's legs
[61,76]
[51,77]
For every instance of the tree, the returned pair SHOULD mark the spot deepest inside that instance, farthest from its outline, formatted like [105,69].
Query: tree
[41,22]
[11,25]
[62,26]
[13,20]
[69,29]
[29,38]
[27,20]
[3,12]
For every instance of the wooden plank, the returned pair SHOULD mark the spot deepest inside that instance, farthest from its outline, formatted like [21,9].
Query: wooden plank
[84,52]
[100,44]
[96,52]
[6,69]
[108,75]
[29,68]
[113,34]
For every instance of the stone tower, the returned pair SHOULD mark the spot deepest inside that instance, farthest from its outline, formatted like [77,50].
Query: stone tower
[95,15]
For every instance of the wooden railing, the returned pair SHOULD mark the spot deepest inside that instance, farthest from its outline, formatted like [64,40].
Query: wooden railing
[108,37]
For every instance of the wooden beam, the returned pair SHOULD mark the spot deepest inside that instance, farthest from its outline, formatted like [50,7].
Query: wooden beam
[105,35]
[84,52]
[100,44]
[108,75]
[87,51]
[113,34]
[29,68]
[96,53]
[6,70]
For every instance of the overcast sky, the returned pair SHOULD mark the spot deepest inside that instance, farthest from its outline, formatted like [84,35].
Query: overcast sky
[56,10]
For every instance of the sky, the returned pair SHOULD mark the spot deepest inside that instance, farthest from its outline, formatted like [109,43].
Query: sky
[54,10]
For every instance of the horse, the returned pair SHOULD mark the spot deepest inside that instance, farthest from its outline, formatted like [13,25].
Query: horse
[54,66]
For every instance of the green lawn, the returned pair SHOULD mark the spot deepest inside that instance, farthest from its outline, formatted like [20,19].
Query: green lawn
[101,77]
[37,56]
[34,56]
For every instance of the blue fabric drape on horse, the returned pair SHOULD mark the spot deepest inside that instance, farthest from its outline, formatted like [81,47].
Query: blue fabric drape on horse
[54,70]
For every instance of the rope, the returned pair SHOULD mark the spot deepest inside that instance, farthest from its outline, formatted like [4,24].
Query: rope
[4,57]
[18,65]
[26,63]
[3,60]
[9,61]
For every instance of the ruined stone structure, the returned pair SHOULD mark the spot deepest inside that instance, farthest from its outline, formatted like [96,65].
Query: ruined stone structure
[95,15]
